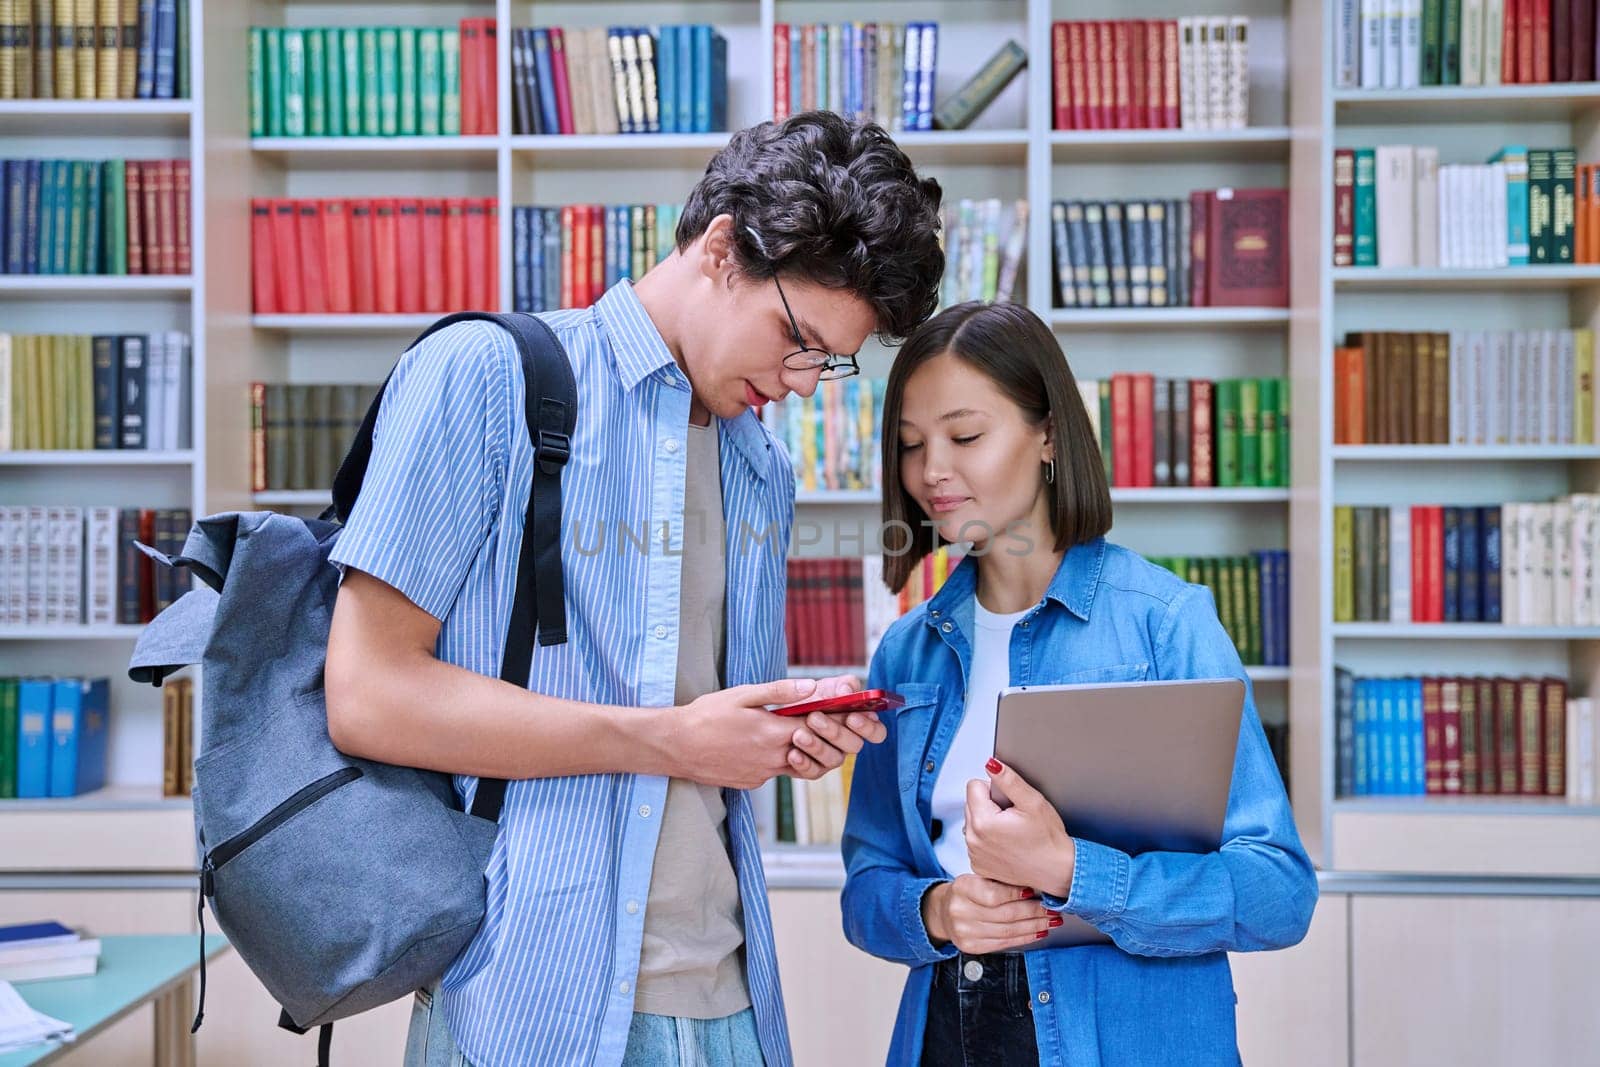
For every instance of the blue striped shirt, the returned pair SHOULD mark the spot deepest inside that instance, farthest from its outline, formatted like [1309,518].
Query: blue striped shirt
[549,978]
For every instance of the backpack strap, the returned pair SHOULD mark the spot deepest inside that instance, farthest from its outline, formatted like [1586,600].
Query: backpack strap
[551,411]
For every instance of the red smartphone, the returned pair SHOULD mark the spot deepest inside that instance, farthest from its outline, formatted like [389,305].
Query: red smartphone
[867,700]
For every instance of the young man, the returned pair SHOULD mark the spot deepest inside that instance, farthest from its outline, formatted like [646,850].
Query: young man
[627,915]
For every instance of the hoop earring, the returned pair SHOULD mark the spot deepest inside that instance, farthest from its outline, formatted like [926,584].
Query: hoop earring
[1050,472]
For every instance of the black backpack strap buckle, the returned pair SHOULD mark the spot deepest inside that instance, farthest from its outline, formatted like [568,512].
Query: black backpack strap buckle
[552,451]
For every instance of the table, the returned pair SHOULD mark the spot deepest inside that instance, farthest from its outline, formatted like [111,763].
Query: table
[135,969]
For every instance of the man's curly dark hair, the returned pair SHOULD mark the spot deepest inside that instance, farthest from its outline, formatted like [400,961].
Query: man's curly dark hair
[831,201]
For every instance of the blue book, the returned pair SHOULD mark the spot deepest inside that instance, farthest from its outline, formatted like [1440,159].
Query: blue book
[1284,614]
[684,74]
[552,258]
[847,52]
[36,935]
[797,79]
[860,91]
[548,112]
[613,258]
[16,214]
[1418,748]
[928,58]
[1515,158]
[1452,564]
[536,260]
[93,239]
[1489,599]
[65,712]
[167,49]
[94,736]
[47,217]
[1344,698]
[820,33]
[667,78]
[710,80]
[61,248]
[1388,766]
[31,239]
[34,698]
[910,43]
[521,294]
[1361,738]
[145,89]
[625,242]
[1471,565]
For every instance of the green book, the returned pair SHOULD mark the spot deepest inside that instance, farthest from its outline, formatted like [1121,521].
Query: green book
[116,215]
[1252,602]
[1366,207]
[258,81]
[785,813]
[1212,580]
[980,90]
[272,46]
[1432,17]
[388,81]
[93,220]
[333,81]
[63,212]
[9,733]
[316,84]
[1227,430]
[407,38]
[1224,595]
[76,237]
[430,86]
[294,83]
[1344,575]
[1541,204]
[1195,572]
[371,121]
[1249,432]
[1450,43]
[1105,426]
[1267,421]
[183,49]
[1563,203]
[450,82]
[350,79]
[1284,457]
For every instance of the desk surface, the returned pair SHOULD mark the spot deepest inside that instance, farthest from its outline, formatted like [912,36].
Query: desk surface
[134,970]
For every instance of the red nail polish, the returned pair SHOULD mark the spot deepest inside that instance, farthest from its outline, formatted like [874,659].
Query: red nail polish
[993,766]
[1040,934]
[1026,893]
[1056,920]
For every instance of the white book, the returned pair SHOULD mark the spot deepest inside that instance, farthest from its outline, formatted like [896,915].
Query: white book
[1442,220]
[1541,574]
[1479,355]
[172,385]
[1499,252]
[1217,70]
[764,809]
[16,556]
[1550,387]
[1471,42]
[1588,751]
[1372,33]
[800,789]
[1400,564]
[1411,44]
[1511,564]
[1493,40]
[50,577]
[1460,377]
[1090,392]
[1187,116]
[1572,750]
[1563,590]
[155,395]
[1397,194]
[100,582]
[70,578]
[5,392]
[1347,45]
[6,574]
[1425,172]
[1497,389]
[1394,16]
[1238,72]
[1517,393]
[1565,385]
[1490,225]
[1200,68]
[1581,537]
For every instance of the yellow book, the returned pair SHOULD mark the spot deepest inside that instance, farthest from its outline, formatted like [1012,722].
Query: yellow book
[21,375]
[808,443]
[941,568]
[1583,388]
[1344,578]
[108,35]
[44,427]
[8,50]
[864,435]
[84,392]
[66,44]
[83,52]
[847,774]
[61,391]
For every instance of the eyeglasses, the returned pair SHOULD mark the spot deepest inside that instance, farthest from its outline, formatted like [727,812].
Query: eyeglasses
[806,358]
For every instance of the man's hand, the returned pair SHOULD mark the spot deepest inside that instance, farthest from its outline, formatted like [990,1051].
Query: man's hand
[823,742]
[979,915]
[729,738]
[1025,844]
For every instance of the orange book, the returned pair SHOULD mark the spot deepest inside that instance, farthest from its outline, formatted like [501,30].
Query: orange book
[1144,429]
[408,253]
[580,256]
[477,255]
[1122,431]
[258,436]
[166,206]
[1580,247]
[1202,451]
[455,254]
[597,252]
[313,261]
[569,217]
[471,109]
[1060,78]
[433,288]
[363,286]
[262,282]
[1171,114]
[1356,397]
[385,250]
[133,181]
[180,206]
[286,257]
[336,256]
[1591,217]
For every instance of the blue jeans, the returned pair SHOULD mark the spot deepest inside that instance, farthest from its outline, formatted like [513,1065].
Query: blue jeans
[428,1041]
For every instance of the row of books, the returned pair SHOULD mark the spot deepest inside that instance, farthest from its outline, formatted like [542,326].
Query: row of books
[77,216]
[881,72]
[76,391]
[1252,598]
[834,436]
[797,811]
[983,246]
[1465,387]
[828,606]
[347,255]
[70,566]
[569,256]
[53,736]
[299,434]
[1218,248]
[1229,433]
[1463,42]
[1518,564]
[372,81]
[1451,735]
[621,79]
[1190,73]
[100,50]
[1395,206]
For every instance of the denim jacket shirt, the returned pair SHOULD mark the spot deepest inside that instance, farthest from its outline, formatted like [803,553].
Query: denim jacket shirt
[1163,992]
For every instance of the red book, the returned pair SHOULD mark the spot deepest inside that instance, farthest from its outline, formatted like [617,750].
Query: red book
[1344,207]
[580,256]
[286,257]
[1527,47]
[1138,90]
[408,253]
[1450,729]
[1506,693]
[150,186]
[180,205]
[488,66]
[1555,737]
[1247,249]
[1434,541]
[433,255]
[597,252]
[1432,737]
[477,255]
[471,109]
[780,72]
[558,74]
[1419,564]
[1202,442]
[1122,454]
[858,618]
[1583,36]
[569,228]
[1154,68]
[167,212]
[263,284]
[313,260]
[838,601]
[1199,269]
[132,181]
[1060,77]
[1580,218]
[1172,106]
[1122,64]
[809,653]
[1106,33]
[336,255]
[363,286]
[455,254]
[1508,41]
[1561,41]
[385,254]
[1078,66]
[491,266]
[147,578]
[1144,430]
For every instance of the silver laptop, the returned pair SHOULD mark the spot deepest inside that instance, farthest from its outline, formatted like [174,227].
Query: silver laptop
[1139,766]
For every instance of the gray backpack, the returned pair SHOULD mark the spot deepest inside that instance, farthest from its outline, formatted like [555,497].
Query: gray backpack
[342,883]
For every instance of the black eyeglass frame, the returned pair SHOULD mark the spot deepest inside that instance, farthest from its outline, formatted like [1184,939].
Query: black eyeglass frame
[833,366]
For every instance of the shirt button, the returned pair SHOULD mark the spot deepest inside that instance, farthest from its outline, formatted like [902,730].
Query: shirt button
[661,631]
[622,986]
[973,970]
[946,627]
[934,613]
[1044,998]
[633,907]
[671,445]
[1024,624]
[644,811]
[928,766]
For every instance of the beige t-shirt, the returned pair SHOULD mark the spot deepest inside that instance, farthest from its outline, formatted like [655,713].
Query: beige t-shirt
[690,963]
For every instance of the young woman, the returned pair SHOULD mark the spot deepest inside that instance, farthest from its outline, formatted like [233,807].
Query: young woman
[986,441]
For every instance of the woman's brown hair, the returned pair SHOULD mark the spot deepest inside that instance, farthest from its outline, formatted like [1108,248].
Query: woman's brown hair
[1013,348]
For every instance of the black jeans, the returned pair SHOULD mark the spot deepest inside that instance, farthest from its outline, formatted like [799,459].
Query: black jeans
[980,1013]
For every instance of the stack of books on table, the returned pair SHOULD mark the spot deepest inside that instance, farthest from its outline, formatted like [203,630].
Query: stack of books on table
[30,952]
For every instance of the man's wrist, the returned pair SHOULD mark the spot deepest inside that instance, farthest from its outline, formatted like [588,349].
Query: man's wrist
[653,737]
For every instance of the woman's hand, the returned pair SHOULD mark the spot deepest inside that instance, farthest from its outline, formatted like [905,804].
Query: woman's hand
[1025,844]
[978,915]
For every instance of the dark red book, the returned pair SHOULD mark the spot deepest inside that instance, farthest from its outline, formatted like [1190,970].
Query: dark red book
[491,266]
[286,257]
[1247,250]
[1583,41]
[1509,20]
[1555,737]
[839,612]
[791,627]
[809,628]
[1138,75]
[558,74]
[1060,78]
[1122,430]
[471,109]
[1530,737]
[455,254]
[182,262]
[1506,731]
[408,253]
[1561,41]
[1541,40]
[150,186]
[1154,67]
[363,260]
[1344,207]
[1144,430]
[858,618]
[1488,740]
[1199,268]
[167,213]
[433,255]
[1432,737]
[477,255]
[1121,113]
[488,65]
[147,577]
[1202,436]
[336,255]
[313,260]
[132,182]
[263,284]
[1079,72]
[1450,732]
[385,254]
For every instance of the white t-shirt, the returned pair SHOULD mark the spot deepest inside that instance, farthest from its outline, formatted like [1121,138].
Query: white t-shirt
[974,741]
